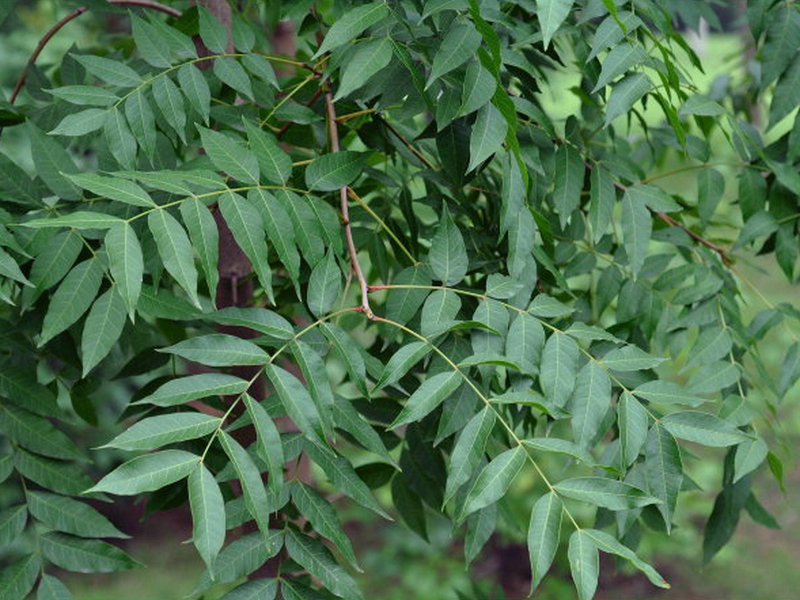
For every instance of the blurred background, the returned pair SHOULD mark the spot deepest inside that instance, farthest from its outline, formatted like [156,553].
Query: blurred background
[399,564]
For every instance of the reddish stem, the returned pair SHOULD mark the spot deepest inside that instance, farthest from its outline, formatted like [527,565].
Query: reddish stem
[348,234]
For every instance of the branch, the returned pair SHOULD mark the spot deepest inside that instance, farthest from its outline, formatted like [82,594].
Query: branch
[348,234]
[405,142]
[74,15]
[722,252]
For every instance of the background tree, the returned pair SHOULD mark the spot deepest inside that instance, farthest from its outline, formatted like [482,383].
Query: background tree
[436,277]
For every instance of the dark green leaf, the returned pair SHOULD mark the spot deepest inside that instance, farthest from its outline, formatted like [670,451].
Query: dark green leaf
[333,171]
[147,473]
[494,480]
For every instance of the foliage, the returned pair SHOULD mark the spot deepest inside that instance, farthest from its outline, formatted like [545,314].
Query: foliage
[499,292]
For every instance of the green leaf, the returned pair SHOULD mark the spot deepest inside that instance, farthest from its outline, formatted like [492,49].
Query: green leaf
[663,470]
[401,362]
[749,456]
[759,225]
[710,188]
[231,73]
[219,350]
[241,557]
[208,510]
[334,170]
[545,306]
[269,443]
[125,263]
[85,556]
[85,95]
[51,588]
[367,60]
[703,428]
[667,393]
[543,534]
[212,31]
[102,329]
[786,96]
[780,47]
[610,32]
[551,14]
[55,260]
[119,138]
[343,477]
[448,255]
[80,219]
[604,492]
[427,397]
[480,527]
[244,221]
[149,43]
[625,94]
[324,286]
[262,320]
[568,181]
[601,202]
[80,123]
[559,368]
[347,418]
[620,60]
[494,480]
[154,432]
[479,87]
[636,229]
[261,68]
[714,377]
[349,352]
[175,250]
[170,102]
[279,231]
[591,399]
[256,589]
[297,402]
[317,560]
[195,88]
[110,71]
[559,446]
[609,544]
[584,564]
[713,344]
[457,47]
[255,496]
[351,24]
[17,579]
[73,296]
[701,105]
[468,451]
[276,165]
[12,523]
[322,517]
[632,422]
[9,268]
[790,368]
[142,121]
[205,239]
[230,156]
[439,311]
[487,135]
[52,163]
[184,389]
[316,377]
[147,473]
[54,475]
[70,516]
[36,433]
[630,358]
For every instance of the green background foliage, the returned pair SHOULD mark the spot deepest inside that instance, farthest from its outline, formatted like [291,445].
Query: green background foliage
[388,268]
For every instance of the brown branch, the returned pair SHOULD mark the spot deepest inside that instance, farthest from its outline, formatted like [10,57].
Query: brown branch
[74,15]
[721,251]
[404,141]
[348,233]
